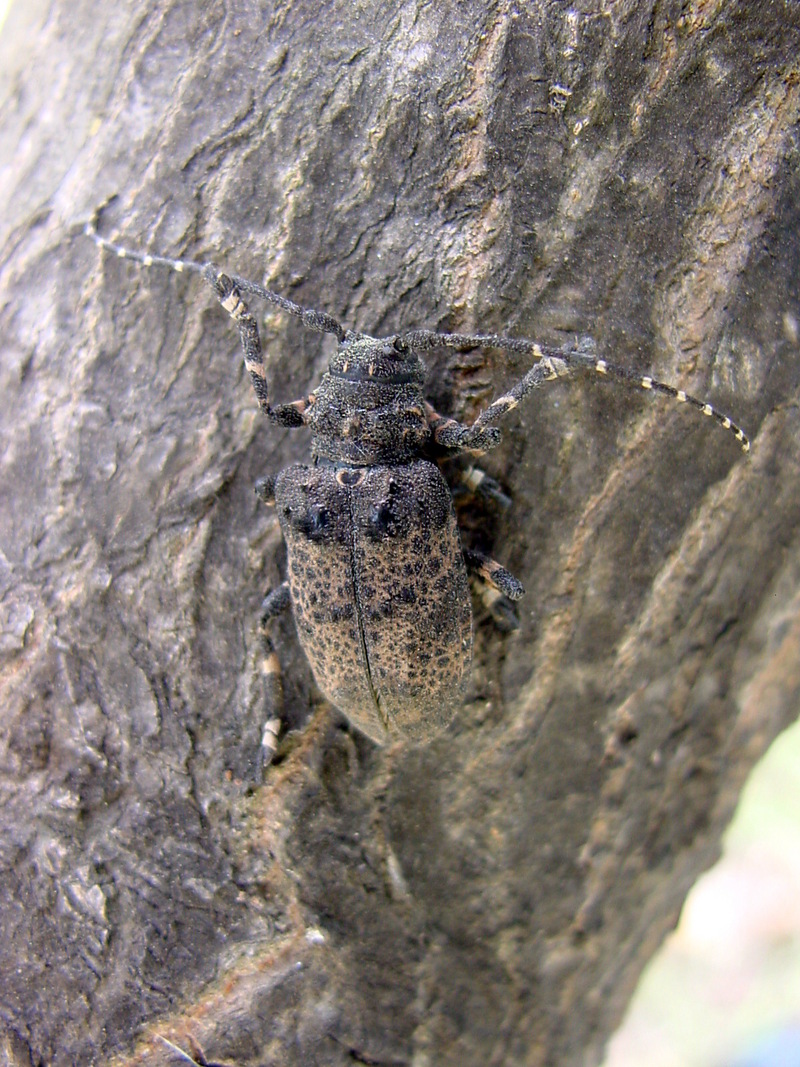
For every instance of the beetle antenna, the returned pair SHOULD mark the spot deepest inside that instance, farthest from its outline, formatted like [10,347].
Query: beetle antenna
[312,320]
[581,357]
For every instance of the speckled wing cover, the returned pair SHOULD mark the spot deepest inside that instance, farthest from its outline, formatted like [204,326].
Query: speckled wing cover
[380,593]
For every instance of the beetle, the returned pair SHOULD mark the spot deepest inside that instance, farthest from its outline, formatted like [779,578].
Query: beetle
[377,576]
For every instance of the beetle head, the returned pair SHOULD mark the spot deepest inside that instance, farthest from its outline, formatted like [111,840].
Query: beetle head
[385,361]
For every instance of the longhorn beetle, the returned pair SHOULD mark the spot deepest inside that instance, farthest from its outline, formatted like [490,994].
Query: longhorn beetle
[377,574]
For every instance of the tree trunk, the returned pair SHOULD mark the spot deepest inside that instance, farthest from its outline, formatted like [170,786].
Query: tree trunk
[627,171]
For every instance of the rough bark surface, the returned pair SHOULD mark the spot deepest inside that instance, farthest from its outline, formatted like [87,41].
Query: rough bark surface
[625,170]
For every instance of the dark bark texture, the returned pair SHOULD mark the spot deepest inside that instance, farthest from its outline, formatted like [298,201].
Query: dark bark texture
[618,169]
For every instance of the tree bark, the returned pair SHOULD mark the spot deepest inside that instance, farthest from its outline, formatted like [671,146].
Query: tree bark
[627,171]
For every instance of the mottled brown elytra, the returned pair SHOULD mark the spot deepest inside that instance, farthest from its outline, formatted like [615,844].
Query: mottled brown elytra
[377,575]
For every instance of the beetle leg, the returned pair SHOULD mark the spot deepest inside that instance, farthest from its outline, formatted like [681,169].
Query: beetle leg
[480,437]
[229,294]
[548,369]
[457,437]
[477,481]
[286,414]
[265,489]
[274,603]
[497,588]
[493,573]
[502,610]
